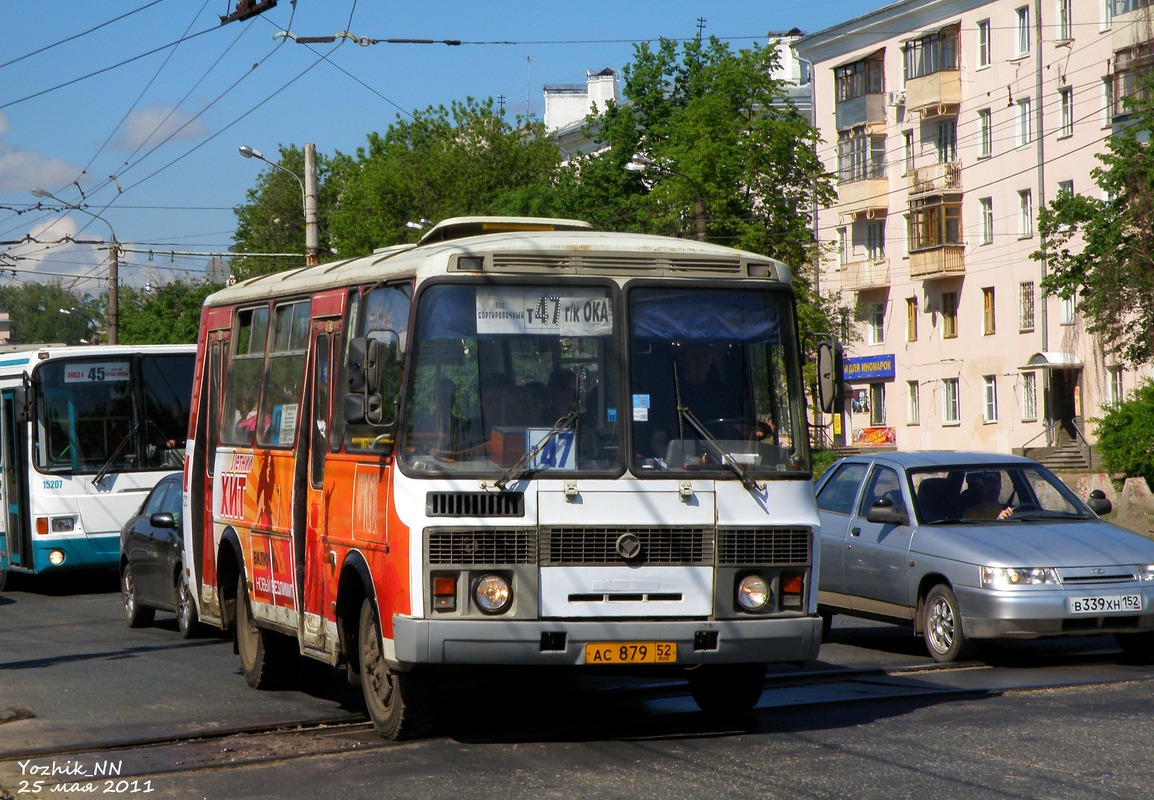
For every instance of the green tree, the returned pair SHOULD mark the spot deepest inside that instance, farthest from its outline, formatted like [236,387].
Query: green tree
[443,163]
[1125,433]
[1100,248]
[272,220]
[35,316]
[166,314]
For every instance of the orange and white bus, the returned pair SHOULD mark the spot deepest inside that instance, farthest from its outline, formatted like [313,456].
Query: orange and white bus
[517,442]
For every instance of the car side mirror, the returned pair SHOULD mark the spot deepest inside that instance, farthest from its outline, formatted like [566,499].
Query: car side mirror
[162,519]
[883,512]
[1099,503]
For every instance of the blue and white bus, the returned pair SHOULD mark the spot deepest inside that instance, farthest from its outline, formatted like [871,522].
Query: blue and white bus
[85,432]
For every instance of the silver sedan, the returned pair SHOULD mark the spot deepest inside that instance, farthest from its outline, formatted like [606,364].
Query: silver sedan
[972,546]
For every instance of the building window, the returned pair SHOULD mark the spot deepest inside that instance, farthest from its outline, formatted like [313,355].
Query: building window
[911,319]
[1066,101]
[1107,101]
[877,404]
[1114,393]
[1065,23]
[990,412]
[949,315]
[1029,395]
[1025,213]
[1023,30]
[1026,306]
[1069,310]
[876,240]
[1107,16]
[1129,66]
[876,332]
[950,406]
[860,78]
[986,210]
[908,137]
[1024,132]
[947,141]
[986,132]
[934,52]
[860,157]
[934,223]
[984,54]
[913,403]
[1065,187]
[842,246]
[988,325]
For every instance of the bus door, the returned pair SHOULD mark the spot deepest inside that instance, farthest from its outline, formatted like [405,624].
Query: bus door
[310,526]
[17,528]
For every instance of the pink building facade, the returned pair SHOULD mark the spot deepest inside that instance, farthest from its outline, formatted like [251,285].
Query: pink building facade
[948,124]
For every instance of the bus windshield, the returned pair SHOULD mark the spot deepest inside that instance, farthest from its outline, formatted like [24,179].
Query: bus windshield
[507,376]
[526,377]
[123,412]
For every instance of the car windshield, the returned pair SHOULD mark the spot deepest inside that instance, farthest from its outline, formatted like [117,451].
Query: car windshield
[991,492]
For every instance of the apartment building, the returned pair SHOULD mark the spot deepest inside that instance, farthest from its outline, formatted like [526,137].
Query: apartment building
[948,124]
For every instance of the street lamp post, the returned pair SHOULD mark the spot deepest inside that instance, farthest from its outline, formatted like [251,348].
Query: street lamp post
[91,322]
[640,163]
[113,264]
[308,192]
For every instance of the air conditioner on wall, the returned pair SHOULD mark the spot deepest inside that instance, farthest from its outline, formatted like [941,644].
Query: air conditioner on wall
[896,98]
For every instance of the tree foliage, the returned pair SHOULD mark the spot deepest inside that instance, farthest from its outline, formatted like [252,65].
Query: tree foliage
[1100,248]
[1125,433]
[165,314]
[35,314]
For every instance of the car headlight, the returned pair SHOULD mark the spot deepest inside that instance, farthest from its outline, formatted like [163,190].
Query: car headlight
[753,592]
[1146,572]
[1007,577]
[493,594]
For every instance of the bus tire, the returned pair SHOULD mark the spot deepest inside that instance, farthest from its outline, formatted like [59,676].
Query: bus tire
[186,616]
[727,689]
[3,578]
[138,616]
[399,703]
[266,658]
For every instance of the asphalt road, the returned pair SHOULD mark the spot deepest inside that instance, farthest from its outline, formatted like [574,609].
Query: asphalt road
[81,693]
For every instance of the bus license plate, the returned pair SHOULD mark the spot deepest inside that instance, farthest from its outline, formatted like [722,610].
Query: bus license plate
[631,653]
[1110,604]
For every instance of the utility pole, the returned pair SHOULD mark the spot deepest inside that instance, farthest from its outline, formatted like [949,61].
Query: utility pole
[312,232]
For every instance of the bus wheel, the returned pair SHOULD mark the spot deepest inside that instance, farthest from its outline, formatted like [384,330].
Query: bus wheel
[727,689]
[138,616]
[186,616]
[3,578]
[266,658]
[399,703]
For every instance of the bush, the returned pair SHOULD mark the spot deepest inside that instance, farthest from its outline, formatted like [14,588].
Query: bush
[1126,436]
[821,461]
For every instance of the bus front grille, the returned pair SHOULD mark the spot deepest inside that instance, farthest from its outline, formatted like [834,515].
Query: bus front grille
[593,546]
[486,546]
[777,546]
[475,504]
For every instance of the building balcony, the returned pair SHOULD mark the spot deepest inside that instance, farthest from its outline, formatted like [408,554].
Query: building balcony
[869,197]
[945,261]
[935,95]
[936,178]
[870,273]
[868,110]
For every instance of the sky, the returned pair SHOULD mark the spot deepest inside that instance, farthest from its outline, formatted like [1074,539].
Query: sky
[134,109]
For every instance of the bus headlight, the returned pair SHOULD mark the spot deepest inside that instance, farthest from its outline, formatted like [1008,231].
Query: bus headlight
[753,593]
[56,558]
[492,594]
[63,524]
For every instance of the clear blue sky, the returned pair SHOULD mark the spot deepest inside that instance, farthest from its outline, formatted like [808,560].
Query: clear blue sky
[141,104]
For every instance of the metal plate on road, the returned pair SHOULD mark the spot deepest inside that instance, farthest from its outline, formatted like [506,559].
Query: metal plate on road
[631,653]
[1108,604]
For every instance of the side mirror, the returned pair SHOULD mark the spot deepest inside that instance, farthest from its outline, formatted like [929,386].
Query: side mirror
[364,364]
[884,513]
[830,386]
[21,407]
[1099,503]
[375,368]
[162,519]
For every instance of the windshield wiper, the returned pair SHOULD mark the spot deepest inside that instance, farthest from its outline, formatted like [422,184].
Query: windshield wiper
[567,422]
[722,455]
[106,467]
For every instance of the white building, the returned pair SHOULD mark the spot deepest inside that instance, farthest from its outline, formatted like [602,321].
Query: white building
[949,123]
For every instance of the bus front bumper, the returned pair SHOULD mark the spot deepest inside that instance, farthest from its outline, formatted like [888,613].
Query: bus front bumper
[563,642]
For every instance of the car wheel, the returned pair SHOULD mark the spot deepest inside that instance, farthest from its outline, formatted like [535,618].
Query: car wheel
[826,623]
[186,616]
[1136,644]
[138,616]
[942,626]
[266,658]
[399,703]
[727,689]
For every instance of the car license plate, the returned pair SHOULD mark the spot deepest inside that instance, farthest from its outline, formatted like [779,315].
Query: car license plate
[631,653]
[1110,604]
